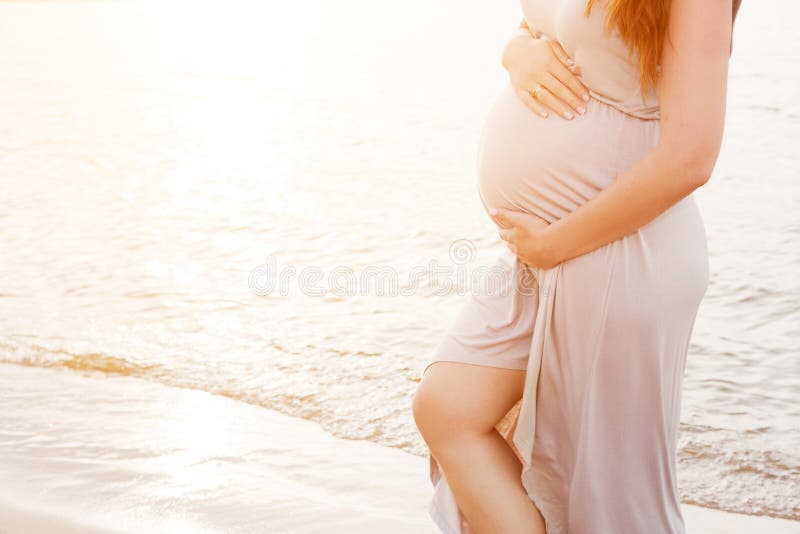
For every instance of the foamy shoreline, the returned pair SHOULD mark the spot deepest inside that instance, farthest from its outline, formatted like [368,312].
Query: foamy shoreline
[220,465]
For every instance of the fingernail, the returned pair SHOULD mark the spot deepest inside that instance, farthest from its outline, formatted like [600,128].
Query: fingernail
[543,114]
[570,61]
[581,110]
[585,97]
[492,211]
[568,115]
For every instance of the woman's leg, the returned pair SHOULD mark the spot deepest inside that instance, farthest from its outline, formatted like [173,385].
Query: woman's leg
[456,408]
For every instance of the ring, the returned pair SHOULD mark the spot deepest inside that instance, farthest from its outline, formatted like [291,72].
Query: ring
[537,90]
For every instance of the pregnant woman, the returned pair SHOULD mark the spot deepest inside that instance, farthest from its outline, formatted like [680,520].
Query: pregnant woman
[605,269]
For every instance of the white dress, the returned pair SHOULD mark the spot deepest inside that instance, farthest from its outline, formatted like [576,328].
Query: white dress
[603,336]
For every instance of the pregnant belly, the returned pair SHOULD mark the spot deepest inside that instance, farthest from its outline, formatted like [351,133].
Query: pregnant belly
[549,167]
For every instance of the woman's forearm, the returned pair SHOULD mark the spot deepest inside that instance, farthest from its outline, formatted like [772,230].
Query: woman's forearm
[639,195]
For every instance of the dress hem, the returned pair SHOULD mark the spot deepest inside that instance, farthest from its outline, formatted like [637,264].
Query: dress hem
[483,361]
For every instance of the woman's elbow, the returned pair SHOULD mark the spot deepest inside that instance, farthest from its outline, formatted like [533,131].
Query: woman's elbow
[695,164]
[701,167]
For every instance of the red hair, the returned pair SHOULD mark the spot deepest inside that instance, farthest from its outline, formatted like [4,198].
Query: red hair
[642,24]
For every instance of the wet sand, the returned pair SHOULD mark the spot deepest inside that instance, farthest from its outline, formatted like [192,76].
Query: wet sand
[119,454]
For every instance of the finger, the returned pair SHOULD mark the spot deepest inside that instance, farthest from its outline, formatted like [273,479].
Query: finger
[564,94]
[500,218]
[546,97]
[567,75]
[560,53]
[531,102]
[506,234]
[511,244]
[571,82]
[512,218]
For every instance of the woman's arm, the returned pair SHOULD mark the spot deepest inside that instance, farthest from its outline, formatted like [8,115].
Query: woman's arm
[692,89]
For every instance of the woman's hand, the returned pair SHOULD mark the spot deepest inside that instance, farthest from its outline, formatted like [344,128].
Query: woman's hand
[543,76]
[528,237]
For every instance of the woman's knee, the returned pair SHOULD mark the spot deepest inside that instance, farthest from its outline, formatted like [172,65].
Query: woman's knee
[429,408]
[455,400]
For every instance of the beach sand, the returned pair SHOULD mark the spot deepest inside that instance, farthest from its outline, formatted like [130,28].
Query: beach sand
[118,454]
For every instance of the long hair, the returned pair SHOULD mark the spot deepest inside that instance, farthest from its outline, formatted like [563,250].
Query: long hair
[642,25]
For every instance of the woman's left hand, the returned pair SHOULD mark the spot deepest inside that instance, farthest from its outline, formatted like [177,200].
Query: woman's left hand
[528,236]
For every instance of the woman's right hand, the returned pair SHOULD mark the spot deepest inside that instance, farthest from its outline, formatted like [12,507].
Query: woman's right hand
[543,75]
